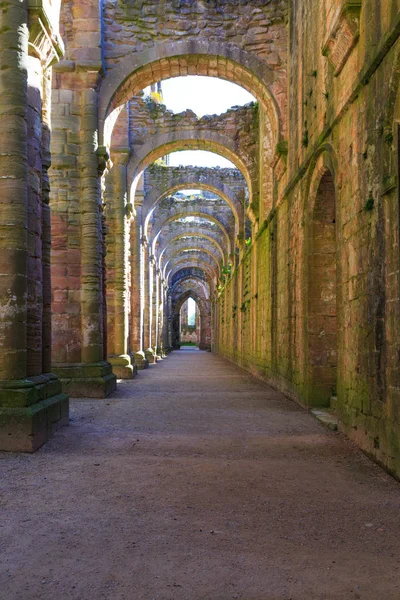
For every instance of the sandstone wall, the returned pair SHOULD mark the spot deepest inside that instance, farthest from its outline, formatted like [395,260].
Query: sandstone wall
[342,121]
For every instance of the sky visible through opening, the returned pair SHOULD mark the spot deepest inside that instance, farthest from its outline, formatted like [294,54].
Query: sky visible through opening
[191,311]
[204,96]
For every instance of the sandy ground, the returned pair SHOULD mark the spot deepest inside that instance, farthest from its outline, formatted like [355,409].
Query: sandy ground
[197,482]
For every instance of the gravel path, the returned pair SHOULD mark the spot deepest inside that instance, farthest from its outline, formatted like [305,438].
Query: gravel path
[197,482]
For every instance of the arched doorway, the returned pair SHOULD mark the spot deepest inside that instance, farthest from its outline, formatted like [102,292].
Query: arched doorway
[322,329]
[189,323]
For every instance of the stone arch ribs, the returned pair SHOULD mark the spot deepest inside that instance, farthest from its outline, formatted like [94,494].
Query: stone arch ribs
[228,184]
[191,263]
[159,146]
[149,125]
[192,240]
[187,252]
[135,71]
[181,212]
[184,295]
[192,281]
[187,273]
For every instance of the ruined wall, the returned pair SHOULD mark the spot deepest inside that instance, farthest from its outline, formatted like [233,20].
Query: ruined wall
[238,126]
[135,25]
[342,125]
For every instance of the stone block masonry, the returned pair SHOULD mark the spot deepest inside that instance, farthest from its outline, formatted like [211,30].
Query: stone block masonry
[32,405]
[292,257]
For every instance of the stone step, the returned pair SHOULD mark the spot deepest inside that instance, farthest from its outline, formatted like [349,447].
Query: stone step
[326,417]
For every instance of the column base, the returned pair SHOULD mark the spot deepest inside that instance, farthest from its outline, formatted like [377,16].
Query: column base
[206,347]
[141,361]
[122,366]
[150,355]
[94,380]
[31,410]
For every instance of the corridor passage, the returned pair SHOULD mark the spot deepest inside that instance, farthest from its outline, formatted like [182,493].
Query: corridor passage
[195,481]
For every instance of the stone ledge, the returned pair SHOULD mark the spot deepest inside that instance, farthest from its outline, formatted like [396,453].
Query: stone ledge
[328,419]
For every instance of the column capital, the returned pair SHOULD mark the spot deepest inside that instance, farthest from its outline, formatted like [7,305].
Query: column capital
[120,155]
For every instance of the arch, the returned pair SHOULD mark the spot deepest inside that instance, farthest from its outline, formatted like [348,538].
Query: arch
[196,235]
[186,273]
[192,252]
[322,284]
[160,145]
[200,215]
[217,187]
[190,281]
[164,60]
[163,238]
[177,305]
[204,308]
[191,263]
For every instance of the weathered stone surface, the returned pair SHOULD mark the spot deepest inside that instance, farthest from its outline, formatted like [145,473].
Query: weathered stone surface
[32,406]
[295,267]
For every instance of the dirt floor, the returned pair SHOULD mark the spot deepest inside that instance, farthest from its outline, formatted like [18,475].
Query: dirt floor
[197,482]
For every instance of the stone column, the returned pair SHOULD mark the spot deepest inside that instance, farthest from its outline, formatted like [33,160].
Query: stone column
[117,265]
[137,290]
[148,306]
[31,403]
[205,327]
[163,318]
[169,322]
[156,312]
[78,241]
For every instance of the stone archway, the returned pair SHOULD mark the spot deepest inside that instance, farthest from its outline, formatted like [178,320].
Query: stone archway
[180,294]
[167,143]
[137,71]
[215,181]
[191,238]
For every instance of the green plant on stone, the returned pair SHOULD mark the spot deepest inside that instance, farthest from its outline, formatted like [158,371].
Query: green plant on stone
[389,138]
[369,205]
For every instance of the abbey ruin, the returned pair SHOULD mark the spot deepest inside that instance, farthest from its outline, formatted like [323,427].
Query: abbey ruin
[291,255]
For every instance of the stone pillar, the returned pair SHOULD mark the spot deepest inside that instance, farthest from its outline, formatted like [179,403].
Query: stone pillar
[117,265]
[205,327]
[163,318]
[77,255]
[78,241]
[137,290]
[169,322]
[46,222]
[148,306]
[156,313]
[31,403]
